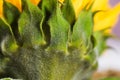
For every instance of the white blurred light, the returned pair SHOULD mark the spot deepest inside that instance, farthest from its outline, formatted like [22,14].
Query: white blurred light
[110,59]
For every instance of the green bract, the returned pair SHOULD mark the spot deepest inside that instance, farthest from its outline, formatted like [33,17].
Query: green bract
[46,42]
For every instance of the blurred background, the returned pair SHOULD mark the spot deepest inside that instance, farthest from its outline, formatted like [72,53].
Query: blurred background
[109,61]
[116,29]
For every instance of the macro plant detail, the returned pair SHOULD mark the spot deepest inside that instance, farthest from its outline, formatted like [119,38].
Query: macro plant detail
[51,39]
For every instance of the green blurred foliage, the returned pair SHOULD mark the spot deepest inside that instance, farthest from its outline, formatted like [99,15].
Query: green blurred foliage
[111,78]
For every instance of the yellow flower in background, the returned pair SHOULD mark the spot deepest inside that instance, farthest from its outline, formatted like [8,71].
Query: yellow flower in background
[81,4]
[100,5]
[107,18]
[1,9]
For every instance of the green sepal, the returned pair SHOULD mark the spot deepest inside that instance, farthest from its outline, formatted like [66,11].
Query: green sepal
[59,29]
[82,31]
[30,25]
[68,11]
[4,30]
[100,41]
[9,45]
[11,13]
[48,5]
[8,42]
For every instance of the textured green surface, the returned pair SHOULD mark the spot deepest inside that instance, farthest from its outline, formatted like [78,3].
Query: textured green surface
[46,42]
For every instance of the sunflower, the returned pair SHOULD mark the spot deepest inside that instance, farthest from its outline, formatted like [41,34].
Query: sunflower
[51,39]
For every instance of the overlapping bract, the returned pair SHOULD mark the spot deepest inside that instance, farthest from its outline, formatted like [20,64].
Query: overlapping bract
[54,33]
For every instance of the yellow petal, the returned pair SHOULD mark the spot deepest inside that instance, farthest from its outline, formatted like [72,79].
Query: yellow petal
[61,1]
[106,19]
[79,5]
[100,5]
[16,3]
[1,8]
[35,2]
[108,31]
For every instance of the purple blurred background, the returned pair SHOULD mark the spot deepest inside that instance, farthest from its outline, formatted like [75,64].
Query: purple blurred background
[116,29]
